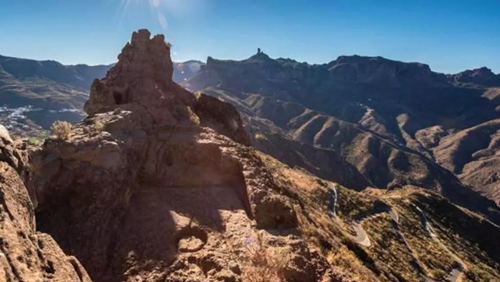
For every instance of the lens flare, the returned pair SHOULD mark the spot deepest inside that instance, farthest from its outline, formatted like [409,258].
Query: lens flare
[163,20]
[155,5]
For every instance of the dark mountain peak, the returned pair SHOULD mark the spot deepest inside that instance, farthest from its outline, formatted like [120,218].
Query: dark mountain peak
[260,56]
[259,62]
[481,76]
[379,70]
[377,60]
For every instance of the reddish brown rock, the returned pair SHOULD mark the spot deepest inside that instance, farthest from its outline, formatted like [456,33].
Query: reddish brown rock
[27,255]
[222,117]
[165,188]
[142,81]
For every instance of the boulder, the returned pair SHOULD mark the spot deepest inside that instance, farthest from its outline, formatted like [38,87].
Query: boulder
[222,117]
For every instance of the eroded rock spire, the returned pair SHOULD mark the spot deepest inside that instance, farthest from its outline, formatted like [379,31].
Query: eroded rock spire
[142,76]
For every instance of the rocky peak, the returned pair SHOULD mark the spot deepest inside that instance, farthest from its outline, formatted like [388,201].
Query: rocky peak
[145,57]
[142,77]
[260,56]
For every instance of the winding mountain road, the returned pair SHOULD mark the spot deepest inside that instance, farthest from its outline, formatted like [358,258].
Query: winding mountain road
[363,239]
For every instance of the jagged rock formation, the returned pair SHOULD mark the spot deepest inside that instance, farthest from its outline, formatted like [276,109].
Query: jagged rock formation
[166,189]
[222,117]
[27,255]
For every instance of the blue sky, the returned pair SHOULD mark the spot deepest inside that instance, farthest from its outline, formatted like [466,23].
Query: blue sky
[450,36]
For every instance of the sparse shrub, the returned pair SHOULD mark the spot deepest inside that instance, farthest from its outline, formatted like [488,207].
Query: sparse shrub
[438,274]
[99,125]
[35,141]
[193,117]
[264,265]
[61,129]
[260,136]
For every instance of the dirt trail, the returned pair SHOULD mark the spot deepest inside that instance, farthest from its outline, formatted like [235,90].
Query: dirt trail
[363,239]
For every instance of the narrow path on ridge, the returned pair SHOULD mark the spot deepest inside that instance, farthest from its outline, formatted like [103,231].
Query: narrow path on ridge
[363,239]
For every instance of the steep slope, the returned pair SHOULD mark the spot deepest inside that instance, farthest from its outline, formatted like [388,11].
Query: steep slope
[353,86]
[321,144]
[400,246]
[473,155]
[480,76]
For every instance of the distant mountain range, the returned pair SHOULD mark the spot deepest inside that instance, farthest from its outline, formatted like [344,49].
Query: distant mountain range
[391,122]
[397,123]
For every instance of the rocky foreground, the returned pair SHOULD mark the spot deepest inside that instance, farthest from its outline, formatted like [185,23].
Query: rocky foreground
[159,184]
[164,188]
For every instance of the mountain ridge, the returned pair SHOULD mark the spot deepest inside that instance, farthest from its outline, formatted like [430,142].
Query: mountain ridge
[376,113]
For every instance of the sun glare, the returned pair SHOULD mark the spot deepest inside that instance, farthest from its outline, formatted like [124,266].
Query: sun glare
[156,7]
[161,7]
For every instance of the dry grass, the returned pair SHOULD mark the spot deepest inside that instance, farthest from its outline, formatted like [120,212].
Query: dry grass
[193,117]
[264,264]
[315,225]
[389,252]
[260,136]
[388,259]
[61,129]
[346,259]
[471,239]
[99,125]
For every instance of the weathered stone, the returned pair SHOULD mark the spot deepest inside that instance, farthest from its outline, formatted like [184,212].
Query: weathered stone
[4,134]
[26,255]
[222,117]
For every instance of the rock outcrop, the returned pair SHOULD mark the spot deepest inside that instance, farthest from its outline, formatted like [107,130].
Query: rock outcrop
[157,184]
[142,81]
[222,117]
[25,254]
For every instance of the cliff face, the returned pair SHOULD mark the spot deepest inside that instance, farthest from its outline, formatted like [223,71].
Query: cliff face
[25,254]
